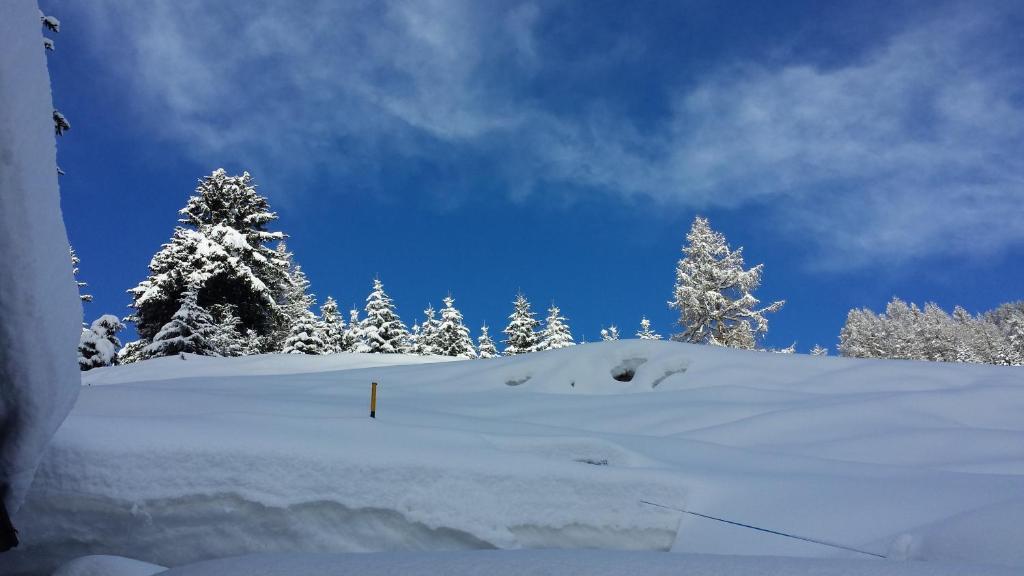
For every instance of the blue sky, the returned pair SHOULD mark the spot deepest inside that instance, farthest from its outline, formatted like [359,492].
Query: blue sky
[859,150]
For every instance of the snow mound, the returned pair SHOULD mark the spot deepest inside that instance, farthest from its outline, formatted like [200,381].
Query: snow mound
[176,461]
[39,306]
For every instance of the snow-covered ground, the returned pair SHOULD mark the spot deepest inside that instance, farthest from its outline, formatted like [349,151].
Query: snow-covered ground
[175,461]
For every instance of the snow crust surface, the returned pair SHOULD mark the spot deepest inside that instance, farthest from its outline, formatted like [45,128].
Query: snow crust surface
[101,565]
[40,313]
[563,563]
[174,461]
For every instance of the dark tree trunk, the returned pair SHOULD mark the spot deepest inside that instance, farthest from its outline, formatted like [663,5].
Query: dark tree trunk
[8,535]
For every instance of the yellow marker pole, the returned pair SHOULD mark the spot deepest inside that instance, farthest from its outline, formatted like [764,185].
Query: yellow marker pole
[373,400]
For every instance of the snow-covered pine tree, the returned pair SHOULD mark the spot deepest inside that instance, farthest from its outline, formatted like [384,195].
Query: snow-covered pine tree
[426,342]
[353,335]
[861,335]
[935,335]
[382,331]
[296,300]
[452,335]
[99,343]
[964,336]
[901,321]
[714,294]
[132,352]
[220,249]
[190,330]
[992,346]
[304,337]
[74,271]
[332,327]
[645,332]
[414,339]
[227,339]
[556,333]
[485,345]
[610,334]
[819,350]
[1014,330]
[521,333]
[51,23]
[60,123]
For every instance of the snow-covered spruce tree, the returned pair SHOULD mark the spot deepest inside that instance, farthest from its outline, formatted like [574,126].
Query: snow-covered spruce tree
[99,343]
[413,341]
[426,342]
[645,332]
[714,293]
[74,271]
[353,335]
[556,333]
[220,249]
[227,338]
[295,303]
[610,334]
[332,327]
[190,330]
[485,345]
[521,333]
[452,335]
[132,352]
[382,331]
[818,350]
[304,337]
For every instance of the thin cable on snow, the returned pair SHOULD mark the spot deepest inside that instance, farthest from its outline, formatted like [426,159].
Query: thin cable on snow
[776,532]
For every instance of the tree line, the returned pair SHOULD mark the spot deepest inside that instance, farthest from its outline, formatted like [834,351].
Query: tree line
[225,285]
[905,331]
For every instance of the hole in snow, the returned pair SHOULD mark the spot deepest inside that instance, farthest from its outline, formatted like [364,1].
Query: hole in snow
[593,461]
[625,371]
[516,382]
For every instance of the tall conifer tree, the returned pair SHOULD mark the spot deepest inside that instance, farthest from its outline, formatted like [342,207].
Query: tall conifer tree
[382,331]
[556,333]
[452,335]
[521,333]
[714,293]
[220,251]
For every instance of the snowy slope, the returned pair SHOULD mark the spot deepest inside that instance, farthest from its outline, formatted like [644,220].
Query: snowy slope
[173,461]
[525,563]
[39,306]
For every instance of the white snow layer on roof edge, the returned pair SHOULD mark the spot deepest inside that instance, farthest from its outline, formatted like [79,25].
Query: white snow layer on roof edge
[39,307]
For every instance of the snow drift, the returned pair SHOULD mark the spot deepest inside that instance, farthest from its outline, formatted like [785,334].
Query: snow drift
[175,461]
[39,307]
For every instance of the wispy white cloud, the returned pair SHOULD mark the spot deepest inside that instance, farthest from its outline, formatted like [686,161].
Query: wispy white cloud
[913,149]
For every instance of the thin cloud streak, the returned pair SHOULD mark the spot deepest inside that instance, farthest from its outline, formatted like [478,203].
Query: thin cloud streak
[912,150]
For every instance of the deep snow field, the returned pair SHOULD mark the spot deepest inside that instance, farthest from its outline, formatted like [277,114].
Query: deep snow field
[175,461]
